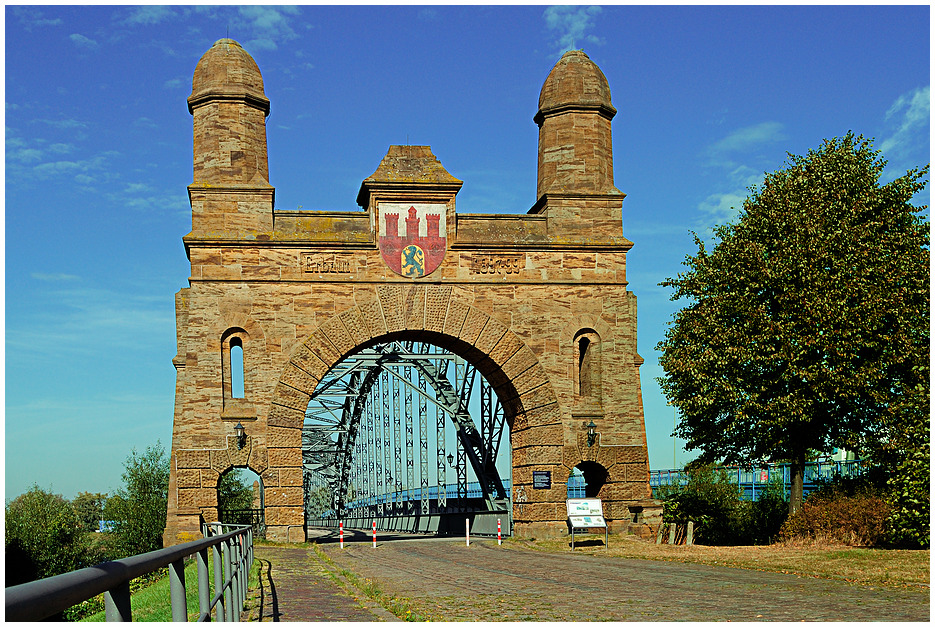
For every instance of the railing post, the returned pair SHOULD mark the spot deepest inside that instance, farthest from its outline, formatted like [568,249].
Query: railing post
[218,583]
[204,584]
[236,601]
[177,591]
[117,604]
[229,572]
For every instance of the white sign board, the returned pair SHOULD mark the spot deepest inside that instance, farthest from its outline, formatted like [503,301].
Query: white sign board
[585,513]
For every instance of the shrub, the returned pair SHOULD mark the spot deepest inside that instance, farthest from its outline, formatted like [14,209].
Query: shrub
[765,516]
[712,501]
[832,515]
[44,536]
[709,500]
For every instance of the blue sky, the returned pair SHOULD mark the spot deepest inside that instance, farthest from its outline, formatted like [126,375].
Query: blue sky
[98,157]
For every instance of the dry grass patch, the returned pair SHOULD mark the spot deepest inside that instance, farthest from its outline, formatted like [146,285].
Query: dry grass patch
[876,567]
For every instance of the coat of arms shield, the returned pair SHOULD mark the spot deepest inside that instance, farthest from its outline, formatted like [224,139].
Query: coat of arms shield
[416,249]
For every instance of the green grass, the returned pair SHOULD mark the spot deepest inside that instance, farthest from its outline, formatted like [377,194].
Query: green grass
[151,604]
[399,607]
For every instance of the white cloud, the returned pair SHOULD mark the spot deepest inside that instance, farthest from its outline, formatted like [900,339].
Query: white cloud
[87,320]
[83,42]
[908,122]
[571,24]
[68,123]
[724,205]
[31,18]
[24,155]
[150,14]
[41,276]
[270,25]
[748,138]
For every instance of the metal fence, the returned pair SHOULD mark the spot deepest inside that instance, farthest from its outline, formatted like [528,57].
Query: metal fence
[232,553]
[752,481]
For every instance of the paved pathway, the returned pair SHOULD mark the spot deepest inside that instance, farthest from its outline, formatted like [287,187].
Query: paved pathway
[295,587]
[442,579]
[445,580]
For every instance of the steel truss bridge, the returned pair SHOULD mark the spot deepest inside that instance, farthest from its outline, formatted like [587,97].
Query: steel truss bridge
[408,435]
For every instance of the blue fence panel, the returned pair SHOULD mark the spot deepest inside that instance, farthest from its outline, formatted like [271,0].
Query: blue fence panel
[753,481]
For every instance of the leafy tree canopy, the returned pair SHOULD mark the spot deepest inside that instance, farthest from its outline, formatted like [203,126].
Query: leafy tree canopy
[139,507]
[43,536]
[807,325]
[90,508]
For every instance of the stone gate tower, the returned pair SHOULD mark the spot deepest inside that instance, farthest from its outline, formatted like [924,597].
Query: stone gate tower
[538,303]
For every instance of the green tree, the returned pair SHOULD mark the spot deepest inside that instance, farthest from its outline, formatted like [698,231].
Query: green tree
[808,322]
[90,508]
[234,493]
[139,507]
[44,536]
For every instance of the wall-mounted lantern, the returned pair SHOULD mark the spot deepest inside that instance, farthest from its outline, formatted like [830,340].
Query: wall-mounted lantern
[592,434]
[241,434]
[451,460]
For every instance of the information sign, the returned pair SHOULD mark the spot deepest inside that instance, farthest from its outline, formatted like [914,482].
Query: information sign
[585,514]
[542,479]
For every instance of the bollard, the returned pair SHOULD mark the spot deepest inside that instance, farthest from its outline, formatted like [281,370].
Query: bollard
[499,536]
[374,534]
[341,534]
[467,532]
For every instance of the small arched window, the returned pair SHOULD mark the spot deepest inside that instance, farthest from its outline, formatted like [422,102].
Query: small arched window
[237,376]
[588,363]
[234,364]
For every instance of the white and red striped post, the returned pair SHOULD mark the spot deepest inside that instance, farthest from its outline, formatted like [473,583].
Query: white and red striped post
[467,532]
[374,534]
[341,533]
[499,536]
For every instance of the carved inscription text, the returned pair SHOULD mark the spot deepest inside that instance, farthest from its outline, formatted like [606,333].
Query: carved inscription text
[326,264]
[490,264]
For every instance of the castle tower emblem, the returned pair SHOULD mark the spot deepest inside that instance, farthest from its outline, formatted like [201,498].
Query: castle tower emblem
[420,249]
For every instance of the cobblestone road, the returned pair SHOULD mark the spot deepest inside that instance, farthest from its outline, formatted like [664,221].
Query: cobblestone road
[445,580]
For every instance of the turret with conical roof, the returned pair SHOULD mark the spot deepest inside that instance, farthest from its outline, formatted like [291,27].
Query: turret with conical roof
[230,193]
[575,145]
[229,109]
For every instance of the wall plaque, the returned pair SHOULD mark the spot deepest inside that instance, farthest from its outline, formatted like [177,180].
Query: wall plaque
[542,479]
[325,264]
[497,264]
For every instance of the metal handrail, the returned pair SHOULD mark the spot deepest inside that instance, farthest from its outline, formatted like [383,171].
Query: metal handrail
[233,553]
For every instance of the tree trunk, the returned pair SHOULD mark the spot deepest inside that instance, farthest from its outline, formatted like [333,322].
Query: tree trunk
[797,479]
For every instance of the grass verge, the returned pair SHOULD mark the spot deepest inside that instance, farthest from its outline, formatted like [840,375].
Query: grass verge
[401,608]
[151,604]
[873,567]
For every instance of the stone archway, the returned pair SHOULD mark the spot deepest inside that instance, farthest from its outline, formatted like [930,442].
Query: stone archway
[538,302]
[431,313]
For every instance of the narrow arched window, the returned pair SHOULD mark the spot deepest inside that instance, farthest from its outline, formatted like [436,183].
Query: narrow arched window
[234,365]
[584,366]
[237,374]
[588,362]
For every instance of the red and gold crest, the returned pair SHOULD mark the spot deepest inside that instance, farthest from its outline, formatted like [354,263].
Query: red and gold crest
[416,247]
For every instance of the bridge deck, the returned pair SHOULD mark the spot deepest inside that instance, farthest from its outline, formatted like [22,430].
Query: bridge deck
[442,579]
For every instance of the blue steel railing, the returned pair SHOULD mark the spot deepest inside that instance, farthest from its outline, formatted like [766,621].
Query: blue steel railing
[474,491]
[232,553]
[752,481]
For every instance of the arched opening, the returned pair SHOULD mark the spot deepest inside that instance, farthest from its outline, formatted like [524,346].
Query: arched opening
[241,499]
[406,433]
[586,480]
